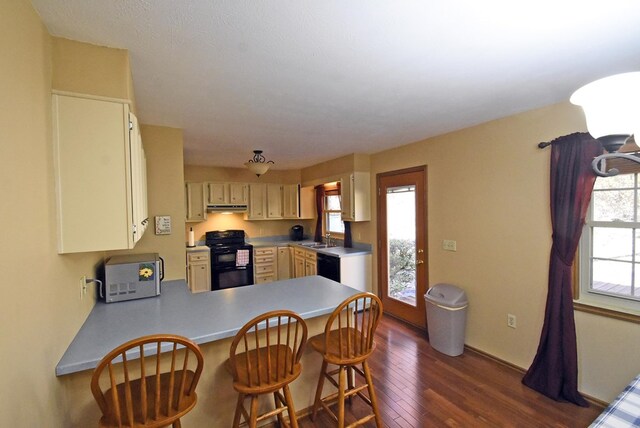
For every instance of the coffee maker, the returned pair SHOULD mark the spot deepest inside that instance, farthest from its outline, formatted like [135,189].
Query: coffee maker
[296,233]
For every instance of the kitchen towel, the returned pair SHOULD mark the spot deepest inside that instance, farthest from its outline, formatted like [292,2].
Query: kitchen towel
[242,258]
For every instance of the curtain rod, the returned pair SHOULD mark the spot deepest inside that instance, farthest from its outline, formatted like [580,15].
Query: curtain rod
[543,145]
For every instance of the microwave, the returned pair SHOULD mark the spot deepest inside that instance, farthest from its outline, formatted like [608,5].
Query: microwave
[132,276]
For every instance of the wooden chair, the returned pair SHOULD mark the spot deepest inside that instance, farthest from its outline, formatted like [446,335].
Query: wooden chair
[347,342]
[264,359]
[141,393]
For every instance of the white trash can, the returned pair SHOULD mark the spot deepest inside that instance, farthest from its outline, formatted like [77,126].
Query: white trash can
[446,306]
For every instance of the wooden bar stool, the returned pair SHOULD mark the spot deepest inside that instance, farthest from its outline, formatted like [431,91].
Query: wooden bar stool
[152,392]
[347,342]
[264,359]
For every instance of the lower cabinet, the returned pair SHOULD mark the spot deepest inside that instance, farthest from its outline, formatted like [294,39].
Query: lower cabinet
[305,263]
[285,262]
[199,271]
[265,264]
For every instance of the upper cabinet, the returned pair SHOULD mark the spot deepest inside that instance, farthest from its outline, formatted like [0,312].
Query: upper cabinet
[257,201]
[100,174]
[355,192]
[265,202]
[227,193]
[291,201]
[194,197]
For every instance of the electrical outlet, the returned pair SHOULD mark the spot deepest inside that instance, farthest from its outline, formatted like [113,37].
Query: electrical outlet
[511,320]
[83,286]
[449,245]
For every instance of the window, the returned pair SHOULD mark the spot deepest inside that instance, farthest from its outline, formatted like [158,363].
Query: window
[332,214]
[610,246]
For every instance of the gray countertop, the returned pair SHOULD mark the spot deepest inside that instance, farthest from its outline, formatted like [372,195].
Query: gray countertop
[202,317]
[334,251]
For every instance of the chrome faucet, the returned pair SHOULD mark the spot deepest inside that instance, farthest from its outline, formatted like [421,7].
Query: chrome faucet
[328,236]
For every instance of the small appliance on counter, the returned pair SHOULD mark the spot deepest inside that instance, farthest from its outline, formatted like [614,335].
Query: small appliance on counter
[296,233]
[132,276]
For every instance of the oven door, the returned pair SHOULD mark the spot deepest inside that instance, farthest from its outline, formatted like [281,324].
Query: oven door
[231,277]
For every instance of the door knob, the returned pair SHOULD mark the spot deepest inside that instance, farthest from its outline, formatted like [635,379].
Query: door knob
[420,251]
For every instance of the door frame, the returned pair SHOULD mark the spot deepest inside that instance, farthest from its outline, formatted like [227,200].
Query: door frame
[421,321]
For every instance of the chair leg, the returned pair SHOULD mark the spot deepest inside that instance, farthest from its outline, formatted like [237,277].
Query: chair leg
[293,420]
[342,384]
[372,393]
[350,381]
[176,424]
[316,401]
[253,419]
[277,403]
[238,413]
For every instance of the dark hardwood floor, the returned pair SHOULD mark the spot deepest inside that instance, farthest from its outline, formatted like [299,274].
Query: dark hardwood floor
[420,387]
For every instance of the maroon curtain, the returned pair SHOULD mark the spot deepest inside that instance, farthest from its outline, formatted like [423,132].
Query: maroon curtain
[554,371]
[348,243]
[317,237]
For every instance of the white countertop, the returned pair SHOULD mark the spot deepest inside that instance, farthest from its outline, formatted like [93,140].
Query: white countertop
[202,317]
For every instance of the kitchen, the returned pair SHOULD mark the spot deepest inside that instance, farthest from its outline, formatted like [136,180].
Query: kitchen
[470,200]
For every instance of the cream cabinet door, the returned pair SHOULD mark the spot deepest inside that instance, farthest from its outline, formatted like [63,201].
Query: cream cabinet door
[274,201]
[199,271]
[99,191]
[238,193]
[310,263]
[194,196]
[284,262]
[257,202]
[291,201]
[355,196]
[217,193]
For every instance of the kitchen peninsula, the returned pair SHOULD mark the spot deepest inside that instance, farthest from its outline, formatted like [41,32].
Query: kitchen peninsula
[211,319]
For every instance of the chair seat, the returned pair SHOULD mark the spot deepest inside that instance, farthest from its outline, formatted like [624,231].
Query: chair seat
[352,349]
[280,359]
[165,415]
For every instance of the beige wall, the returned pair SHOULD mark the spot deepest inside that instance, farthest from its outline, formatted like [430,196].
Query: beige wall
[90,69]
[253,228]
[488,189]
[40,309]
[163,148]
[331,170]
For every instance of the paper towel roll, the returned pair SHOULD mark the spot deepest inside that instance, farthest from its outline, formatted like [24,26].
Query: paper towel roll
[192,241]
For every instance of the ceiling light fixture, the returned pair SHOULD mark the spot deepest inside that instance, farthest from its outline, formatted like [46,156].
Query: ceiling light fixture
[258,164]
[612,109]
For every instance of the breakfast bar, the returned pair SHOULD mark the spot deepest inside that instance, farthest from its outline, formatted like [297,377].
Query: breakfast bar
[211,319]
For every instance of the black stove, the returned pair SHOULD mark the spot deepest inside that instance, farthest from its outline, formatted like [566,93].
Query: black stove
[231,259]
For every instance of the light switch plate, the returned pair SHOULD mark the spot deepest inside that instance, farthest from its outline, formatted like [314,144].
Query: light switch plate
[449,245]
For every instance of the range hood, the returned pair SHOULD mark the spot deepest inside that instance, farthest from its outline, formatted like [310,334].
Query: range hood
[226,208]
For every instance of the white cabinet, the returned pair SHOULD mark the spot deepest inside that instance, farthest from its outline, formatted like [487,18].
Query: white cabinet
[198,271]
[355,196]
[100,174]
[227,193]
[355,271]
[194,197]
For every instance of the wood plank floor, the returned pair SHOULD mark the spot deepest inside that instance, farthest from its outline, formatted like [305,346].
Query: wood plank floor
[420,387]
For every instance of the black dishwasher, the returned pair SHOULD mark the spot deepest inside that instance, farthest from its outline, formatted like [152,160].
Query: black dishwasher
[329,266]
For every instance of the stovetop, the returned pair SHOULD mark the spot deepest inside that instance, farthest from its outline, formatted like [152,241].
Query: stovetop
[225,238]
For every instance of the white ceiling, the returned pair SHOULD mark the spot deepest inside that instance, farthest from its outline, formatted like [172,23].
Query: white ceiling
[307,81]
